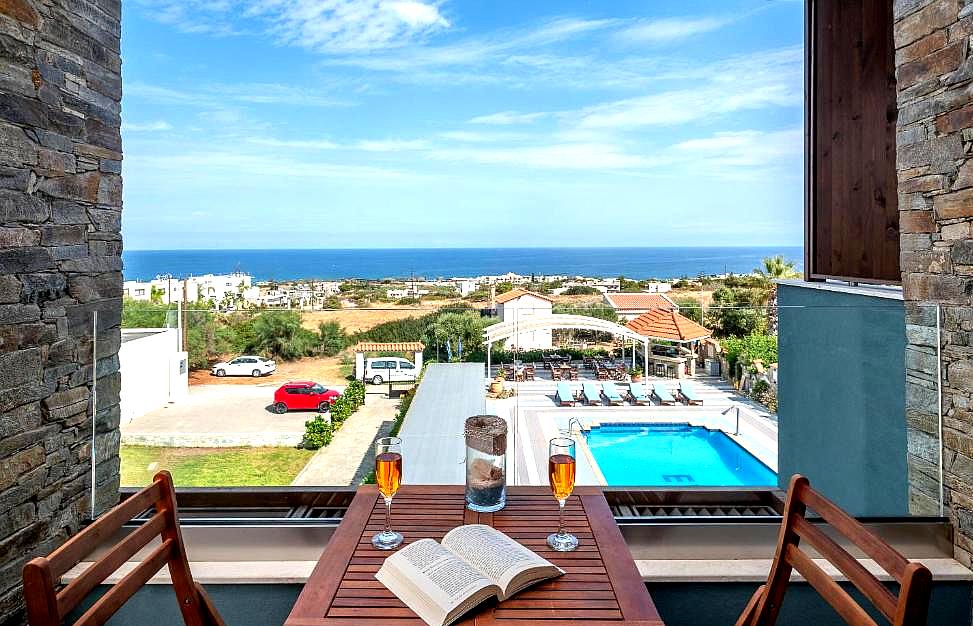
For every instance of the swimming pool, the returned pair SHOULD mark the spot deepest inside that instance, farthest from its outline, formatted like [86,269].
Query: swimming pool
[674,455]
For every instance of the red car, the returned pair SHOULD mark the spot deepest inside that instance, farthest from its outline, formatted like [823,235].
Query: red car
[303,394]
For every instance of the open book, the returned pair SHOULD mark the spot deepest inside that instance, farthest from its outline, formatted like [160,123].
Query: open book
[442,581]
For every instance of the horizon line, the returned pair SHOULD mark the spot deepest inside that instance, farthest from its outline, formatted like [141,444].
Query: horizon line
[461,248]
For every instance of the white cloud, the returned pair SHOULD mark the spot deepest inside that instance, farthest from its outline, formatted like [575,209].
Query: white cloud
[751,82]
[299,144]
[505,118]
[743,155]
[391,145]
[567,156]
[146,127]
[493,136]
[488,50]
[230,166]
[671,29]
[334,26]
[219,94]
[418,14]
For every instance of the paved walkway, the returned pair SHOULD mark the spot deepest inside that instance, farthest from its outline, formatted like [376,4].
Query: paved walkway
[351,454]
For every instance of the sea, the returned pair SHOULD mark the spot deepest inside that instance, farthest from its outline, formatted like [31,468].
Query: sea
[432,263]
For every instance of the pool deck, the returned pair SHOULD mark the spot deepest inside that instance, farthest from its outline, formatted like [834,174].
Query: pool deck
[538,420]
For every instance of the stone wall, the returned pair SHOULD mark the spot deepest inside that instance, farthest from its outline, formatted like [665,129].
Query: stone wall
[935,170]
[60,246]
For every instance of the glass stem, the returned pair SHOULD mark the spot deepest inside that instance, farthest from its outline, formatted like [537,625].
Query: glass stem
[560,517]
[388,515]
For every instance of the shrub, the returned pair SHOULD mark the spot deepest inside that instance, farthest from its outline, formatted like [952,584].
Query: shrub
[600,311]
[689,307]
[736,312]
[404,404]
[355,392]
[280,334]
[764,394]
[144,314]
[746,350]
[332,338]
[341,409]
[581,290]
[407,301]
[317,433]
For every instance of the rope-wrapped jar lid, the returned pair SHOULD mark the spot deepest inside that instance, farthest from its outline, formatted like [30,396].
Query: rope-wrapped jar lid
[486,433]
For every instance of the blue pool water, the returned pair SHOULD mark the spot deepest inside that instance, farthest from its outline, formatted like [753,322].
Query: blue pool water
[674,455]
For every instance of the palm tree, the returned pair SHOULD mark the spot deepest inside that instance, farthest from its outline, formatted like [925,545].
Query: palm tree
[774,268]
[777,267]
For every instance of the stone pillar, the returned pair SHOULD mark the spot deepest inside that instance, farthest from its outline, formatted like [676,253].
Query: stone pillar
[60,246]
[934,74]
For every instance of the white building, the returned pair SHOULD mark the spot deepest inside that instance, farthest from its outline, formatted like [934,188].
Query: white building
[216,287]
[466,286]
[519,305]
[154,371]
[657,287]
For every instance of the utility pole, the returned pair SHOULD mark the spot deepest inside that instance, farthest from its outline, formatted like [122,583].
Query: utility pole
[185,318]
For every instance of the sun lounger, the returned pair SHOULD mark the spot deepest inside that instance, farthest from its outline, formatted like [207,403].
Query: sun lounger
[611,393]
[565,395]
[637,395]
[591,393]
[688,393]
[661,392]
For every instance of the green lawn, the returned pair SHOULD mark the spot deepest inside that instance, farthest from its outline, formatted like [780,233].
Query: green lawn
[213,467]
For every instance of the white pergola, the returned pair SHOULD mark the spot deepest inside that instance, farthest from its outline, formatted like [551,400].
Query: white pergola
[561,321]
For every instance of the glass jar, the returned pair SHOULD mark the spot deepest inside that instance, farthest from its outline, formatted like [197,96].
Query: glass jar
[486,459]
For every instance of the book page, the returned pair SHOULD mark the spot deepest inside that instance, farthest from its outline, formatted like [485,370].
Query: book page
[437,572]
[496,555]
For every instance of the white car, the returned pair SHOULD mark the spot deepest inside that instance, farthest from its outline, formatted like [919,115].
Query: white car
[245,366]
[389,369]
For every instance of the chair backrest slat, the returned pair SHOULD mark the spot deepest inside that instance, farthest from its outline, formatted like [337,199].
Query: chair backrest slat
[854,571]
[831,591]
[82,544]
[883,554]
[47,606]
[77,589]
[108,604]
[909,608]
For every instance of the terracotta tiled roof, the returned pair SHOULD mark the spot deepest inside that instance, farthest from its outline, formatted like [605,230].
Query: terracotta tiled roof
[513,294]
[638,301]
[394,346]
[669,325]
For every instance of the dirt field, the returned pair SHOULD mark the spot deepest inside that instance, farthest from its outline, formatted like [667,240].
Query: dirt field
[706,297]
[324,370]
[355,320]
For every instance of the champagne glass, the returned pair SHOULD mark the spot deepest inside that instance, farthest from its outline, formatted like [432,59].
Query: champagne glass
[388,475]
[561,469]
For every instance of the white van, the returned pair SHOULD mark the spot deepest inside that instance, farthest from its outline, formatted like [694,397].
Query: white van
[389,368]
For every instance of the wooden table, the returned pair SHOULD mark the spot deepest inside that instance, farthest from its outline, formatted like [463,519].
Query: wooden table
[602,585]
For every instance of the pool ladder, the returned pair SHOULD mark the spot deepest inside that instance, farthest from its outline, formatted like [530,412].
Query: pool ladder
[575,420]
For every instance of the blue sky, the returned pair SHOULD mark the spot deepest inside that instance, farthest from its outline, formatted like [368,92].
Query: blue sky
[407,123]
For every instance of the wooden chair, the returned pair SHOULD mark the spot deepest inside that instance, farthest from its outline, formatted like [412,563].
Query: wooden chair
[909,608]
[48,606]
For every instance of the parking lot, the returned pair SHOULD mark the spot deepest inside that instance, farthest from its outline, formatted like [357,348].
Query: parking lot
[220,416]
